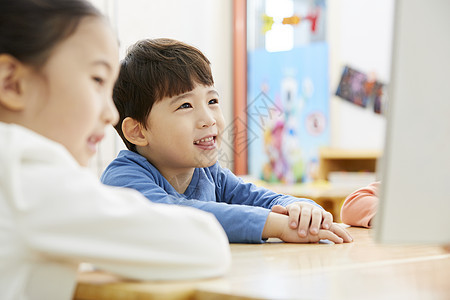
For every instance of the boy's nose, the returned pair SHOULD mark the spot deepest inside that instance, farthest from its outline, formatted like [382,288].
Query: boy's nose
[206,119]
[209,124]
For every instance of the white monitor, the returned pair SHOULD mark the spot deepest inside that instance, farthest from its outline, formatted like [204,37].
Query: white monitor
[415,168]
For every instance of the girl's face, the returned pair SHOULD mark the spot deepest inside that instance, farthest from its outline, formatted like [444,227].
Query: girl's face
[70,98]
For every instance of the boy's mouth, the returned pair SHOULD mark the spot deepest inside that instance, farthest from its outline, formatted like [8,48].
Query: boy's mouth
[206,142]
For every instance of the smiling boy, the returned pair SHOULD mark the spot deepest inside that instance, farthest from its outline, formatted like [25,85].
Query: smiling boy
[182,133]
[171,122]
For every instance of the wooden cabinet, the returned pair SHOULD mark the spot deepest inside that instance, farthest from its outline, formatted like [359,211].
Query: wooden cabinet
[343,160]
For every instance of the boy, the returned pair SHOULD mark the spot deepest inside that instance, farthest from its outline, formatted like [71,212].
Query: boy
[171,122]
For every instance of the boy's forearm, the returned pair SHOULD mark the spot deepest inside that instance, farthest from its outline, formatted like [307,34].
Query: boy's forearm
[274,225]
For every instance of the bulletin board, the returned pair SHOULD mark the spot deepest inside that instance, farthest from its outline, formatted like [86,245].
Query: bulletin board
[281,97]
[288,112]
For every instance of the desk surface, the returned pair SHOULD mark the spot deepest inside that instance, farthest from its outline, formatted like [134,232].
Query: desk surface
[359,270]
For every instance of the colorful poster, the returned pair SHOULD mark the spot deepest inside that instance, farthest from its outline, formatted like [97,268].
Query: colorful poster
[288,112]
[360,89]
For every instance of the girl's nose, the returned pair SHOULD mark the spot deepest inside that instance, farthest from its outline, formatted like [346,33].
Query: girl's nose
[110,113]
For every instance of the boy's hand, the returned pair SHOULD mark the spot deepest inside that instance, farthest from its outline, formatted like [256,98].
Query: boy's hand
[305,216]
[277,226]
[336,234]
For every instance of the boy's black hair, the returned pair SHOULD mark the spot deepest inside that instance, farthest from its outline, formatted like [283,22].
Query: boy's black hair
[152,70]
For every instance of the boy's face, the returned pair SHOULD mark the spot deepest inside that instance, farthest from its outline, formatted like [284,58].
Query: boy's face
[184,131]
[71,97]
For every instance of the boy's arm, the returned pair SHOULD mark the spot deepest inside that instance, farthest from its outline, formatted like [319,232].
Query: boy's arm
[304,215]
[242,223]
[360,207]
[235,190]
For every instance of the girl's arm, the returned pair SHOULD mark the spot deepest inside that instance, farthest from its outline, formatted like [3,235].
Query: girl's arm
[77,219]
[360,207]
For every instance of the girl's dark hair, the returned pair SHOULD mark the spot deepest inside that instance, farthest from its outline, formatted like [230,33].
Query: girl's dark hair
[29,29]
[152,70]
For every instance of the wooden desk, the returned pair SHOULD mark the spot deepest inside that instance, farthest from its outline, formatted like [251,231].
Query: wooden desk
[359,270]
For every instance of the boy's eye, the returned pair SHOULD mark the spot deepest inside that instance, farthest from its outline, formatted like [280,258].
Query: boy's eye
[213,101]
[185,105]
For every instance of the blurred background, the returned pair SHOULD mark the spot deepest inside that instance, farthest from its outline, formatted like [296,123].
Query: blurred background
[316,74]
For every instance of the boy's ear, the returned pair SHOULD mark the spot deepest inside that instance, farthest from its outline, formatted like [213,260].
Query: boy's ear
[11,73]
[133,132]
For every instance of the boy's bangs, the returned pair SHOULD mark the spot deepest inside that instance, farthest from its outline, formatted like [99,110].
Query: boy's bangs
[170,87]
[181,77]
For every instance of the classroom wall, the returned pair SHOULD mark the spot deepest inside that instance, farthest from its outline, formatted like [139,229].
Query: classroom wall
[205,24]
[359,33]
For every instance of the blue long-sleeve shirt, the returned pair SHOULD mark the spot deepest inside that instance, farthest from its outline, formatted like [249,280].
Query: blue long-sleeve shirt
[241,208]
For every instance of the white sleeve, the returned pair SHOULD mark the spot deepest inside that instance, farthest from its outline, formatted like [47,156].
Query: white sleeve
[71,216]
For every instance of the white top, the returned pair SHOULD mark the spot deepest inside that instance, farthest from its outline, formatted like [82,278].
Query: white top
[55,214]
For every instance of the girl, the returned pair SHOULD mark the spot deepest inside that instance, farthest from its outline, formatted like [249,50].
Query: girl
[360,207]
[58,64]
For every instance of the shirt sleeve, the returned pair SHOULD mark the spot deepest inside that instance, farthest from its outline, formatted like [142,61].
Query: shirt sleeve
[360,207]
[78,219]
[235,190]
[242,223]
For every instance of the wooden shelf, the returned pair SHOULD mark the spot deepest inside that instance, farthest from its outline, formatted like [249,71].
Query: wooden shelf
[343,160]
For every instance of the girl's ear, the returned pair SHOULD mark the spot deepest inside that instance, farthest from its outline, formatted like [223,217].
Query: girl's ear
[133,132]
[11,76]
